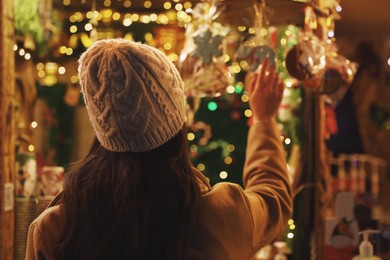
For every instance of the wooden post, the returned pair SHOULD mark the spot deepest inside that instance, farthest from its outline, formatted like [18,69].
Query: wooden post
[7,128]
[311,202]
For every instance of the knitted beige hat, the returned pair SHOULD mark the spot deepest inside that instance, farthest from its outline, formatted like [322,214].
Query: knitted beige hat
[133,93]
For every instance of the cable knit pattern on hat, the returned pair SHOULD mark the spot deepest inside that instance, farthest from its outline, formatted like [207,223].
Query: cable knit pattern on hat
[133,93]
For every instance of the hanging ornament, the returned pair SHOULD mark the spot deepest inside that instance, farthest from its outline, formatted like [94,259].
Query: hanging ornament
[307,58]
[200,126]
[338,74]
[203,73]
[208,46]
[209,80]
[339,71]
[255,48]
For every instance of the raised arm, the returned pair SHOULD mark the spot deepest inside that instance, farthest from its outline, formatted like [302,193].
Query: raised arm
[265,172]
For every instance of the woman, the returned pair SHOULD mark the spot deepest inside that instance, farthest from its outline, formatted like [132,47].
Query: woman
[135,195]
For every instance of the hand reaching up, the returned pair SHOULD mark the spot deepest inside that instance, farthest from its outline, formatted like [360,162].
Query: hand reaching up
[265,93]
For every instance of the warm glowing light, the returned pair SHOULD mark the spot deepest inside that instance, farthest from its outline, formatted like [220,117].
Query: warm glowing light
[106,14]
[72,19]
[134,17]
[248,112]
[147,4]
[127,22]
[88,27]
[235,68]
[22,52]
[167,46]
[201,167]
[244,64]
[127,3]
[78,16]
[173,57]
[145,19]
[31,148]
[223,175]
[69,51]
[40,66]
[74,79]
[287,141]
[89,14]
[225,57]
[107,3]
[252,30]
[241,28]
[290,235]
[290,221]
[339,8]
[181,15]
[66,2]
[129,36]
[148,36]
[190,136]
[187,5]
[167,5]
[97,15]
[27,56]
[153,17]
[116,16]
[34,124]
[61,70]
[245,98]
[187,19]
[263,32]
[292,227]
[288,83]
[41,74]
[171,15]
[388,61]
[15,47]
[73,29]
[228,160]
[331,34]
[179,7]
[163,19]
[230,89]
[230,148]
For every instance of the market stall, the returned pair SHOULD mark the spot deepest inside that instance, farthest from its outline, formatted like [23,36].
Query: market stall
[217,46]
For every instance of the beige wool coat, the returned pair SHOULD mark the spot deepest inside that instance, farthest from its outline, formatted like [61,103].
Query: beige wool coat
[233,223]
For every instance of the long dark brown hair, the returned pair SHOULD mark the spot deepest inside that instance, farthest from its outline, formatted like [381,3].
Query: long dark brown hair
[129,205]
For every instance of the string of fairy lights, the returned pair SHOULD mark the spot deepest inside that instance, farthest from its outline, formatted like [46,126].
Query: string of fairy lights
[175,12]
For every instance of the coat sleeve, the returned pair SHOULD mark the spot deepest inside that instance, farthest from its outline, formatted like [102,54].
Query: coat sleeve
[267,188]
[35,244]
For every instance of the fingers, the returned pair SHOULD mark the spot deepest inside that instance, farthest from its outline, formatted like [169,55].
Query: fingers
[259,76]
[262,75]
[253,82]
[266,79]
[271,80]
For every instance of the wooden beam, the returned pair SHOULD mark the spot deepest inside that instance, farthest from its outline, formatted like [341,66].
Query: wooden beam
[7,126]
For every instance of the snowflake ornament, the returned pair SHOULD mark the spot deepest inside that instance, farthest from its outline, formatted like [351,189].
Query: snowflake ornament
[208,46]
